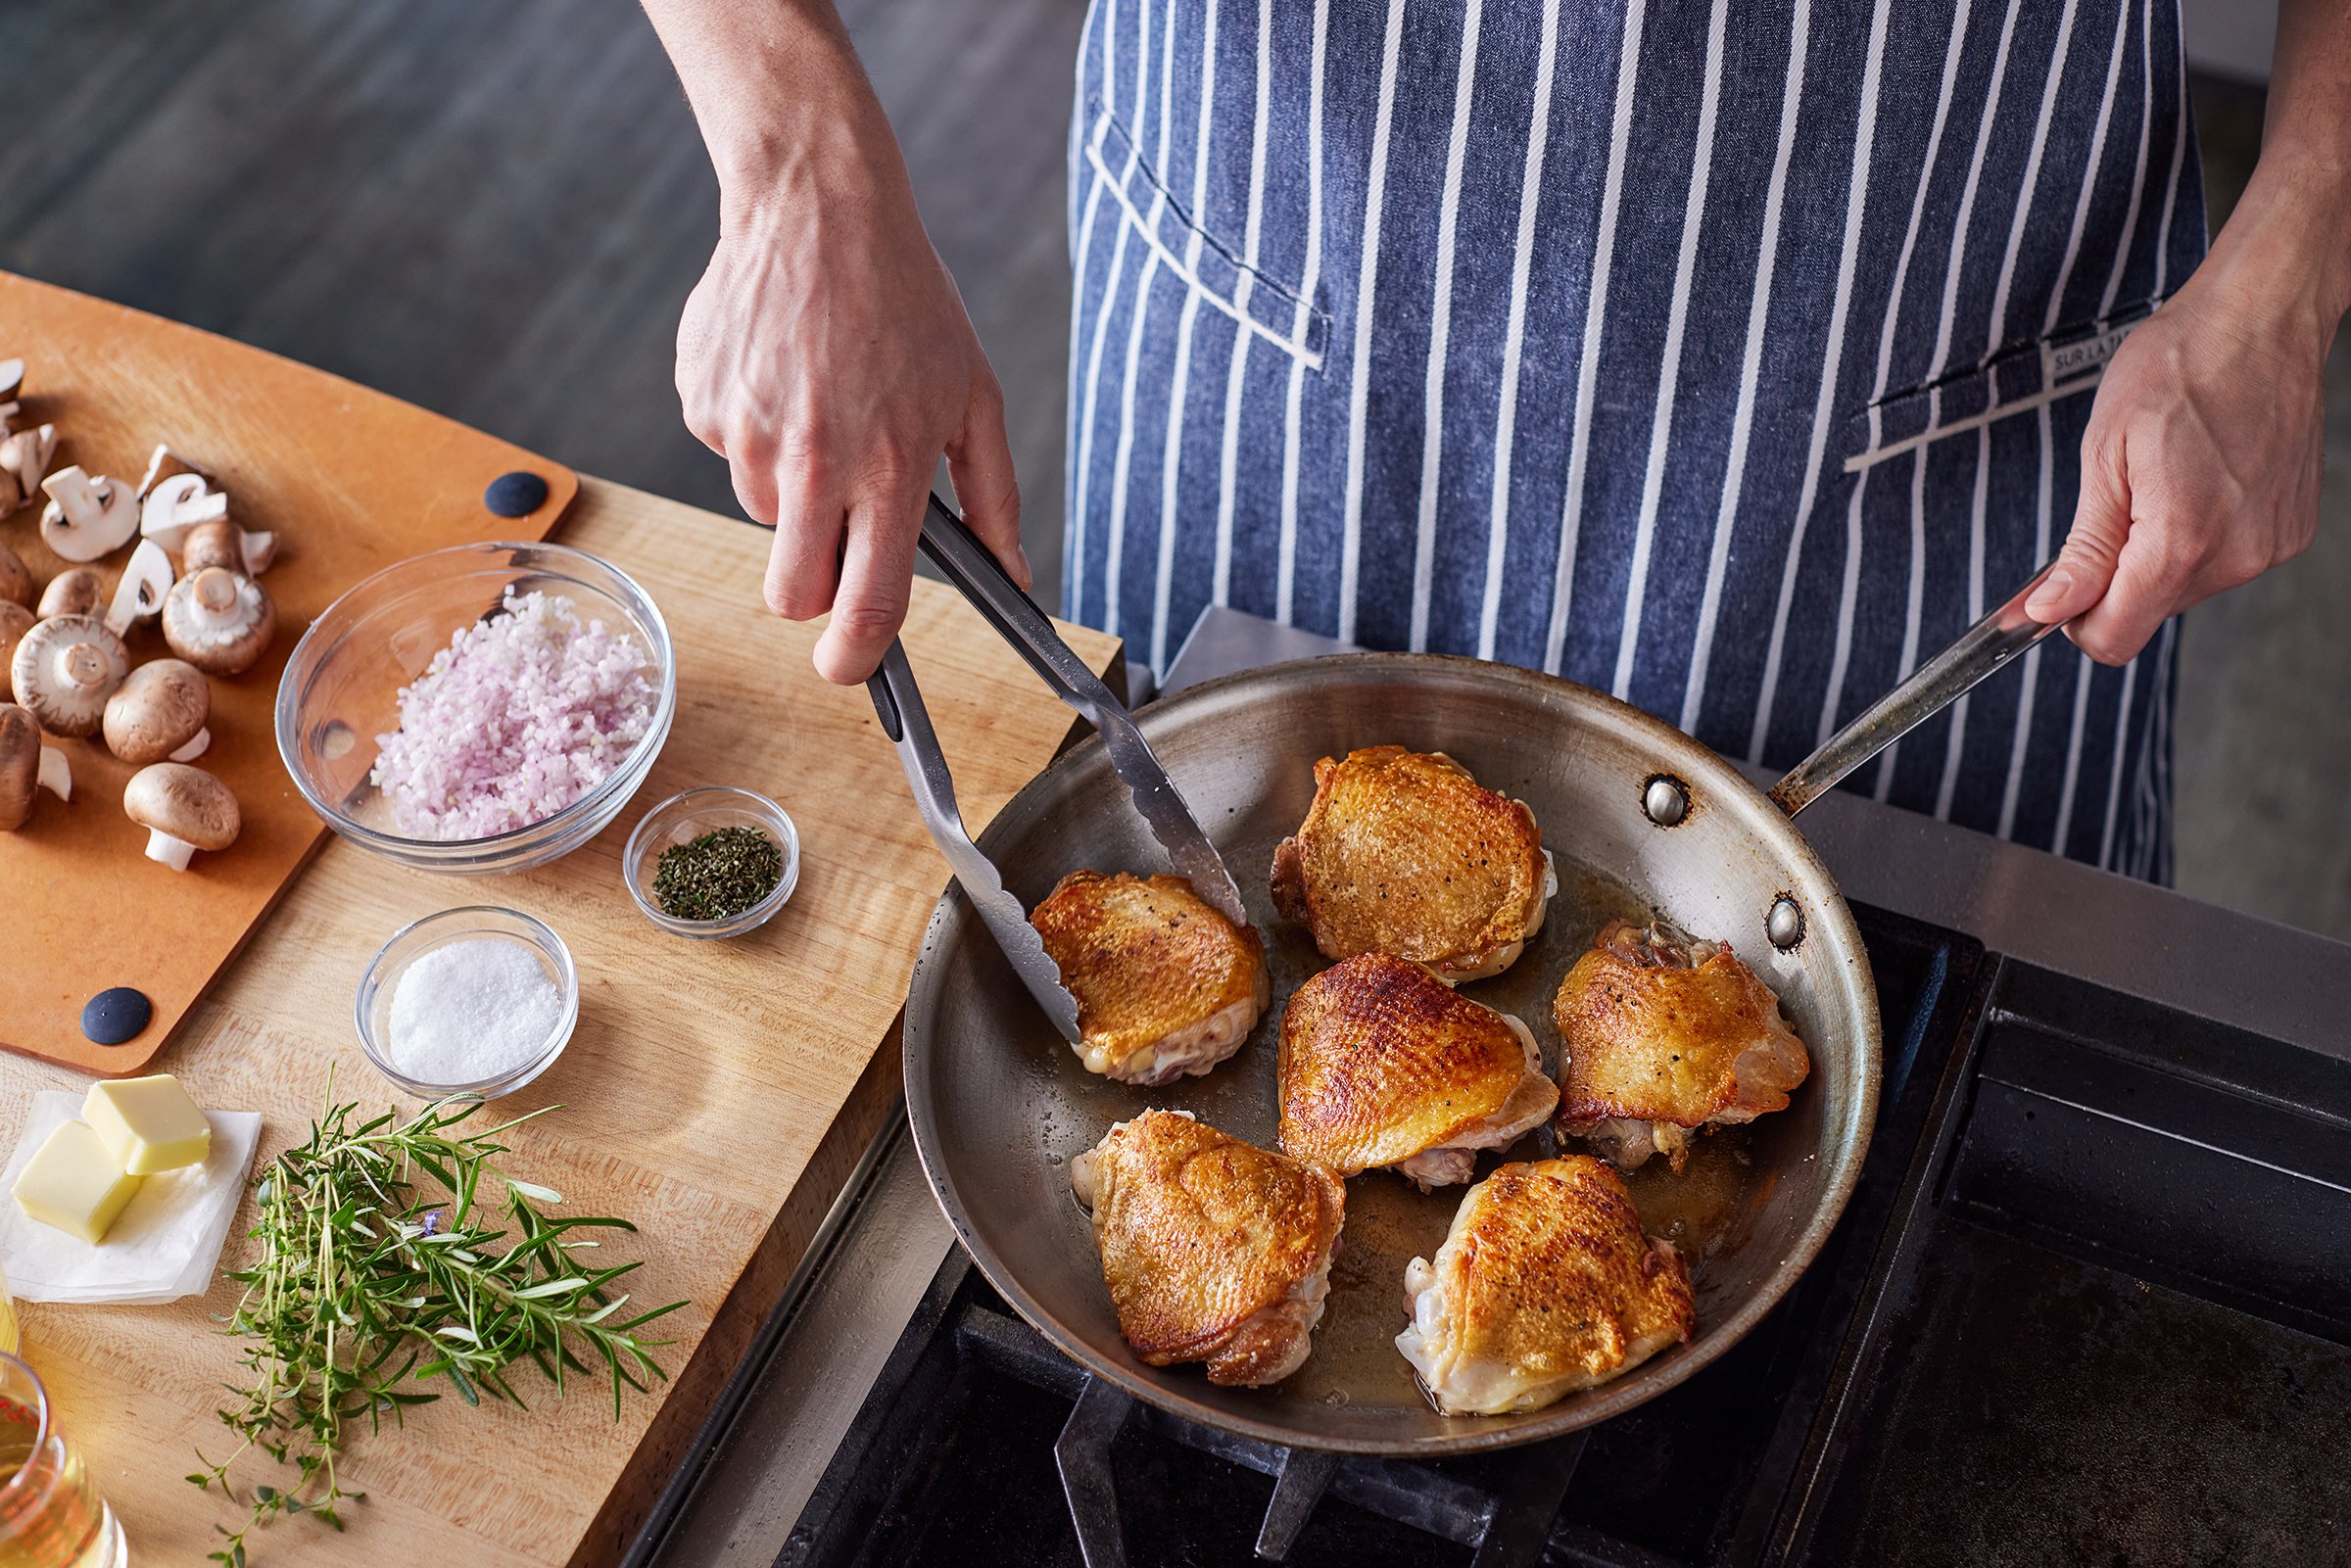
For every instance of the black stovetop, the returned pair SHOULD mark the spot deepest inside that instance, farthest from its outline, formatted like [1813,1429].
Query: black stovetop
[2091,1303]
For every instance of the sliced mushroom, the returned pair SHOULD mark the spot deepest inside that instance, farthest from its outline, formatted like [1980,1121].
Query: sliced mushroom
[217,621]
[12,379]
[140,593]
[175,506]
[159,713]
[76,591]
[183,809]
[15,577]
[26,766]
[163,463]
[64,669]
[88,515]
[24,457]
[14,621]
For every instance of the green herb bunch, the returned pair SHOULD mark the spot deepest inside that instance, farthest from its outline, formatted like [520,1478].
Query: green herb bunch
[385,1264]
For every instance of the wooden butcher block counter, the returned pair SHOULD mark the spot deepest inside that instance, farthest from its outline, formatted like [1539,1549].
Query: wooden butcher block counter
[716,1093]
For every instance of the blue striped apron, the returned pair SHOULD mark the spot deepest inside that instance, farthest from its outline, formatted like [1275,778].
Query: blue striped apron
[1731,361]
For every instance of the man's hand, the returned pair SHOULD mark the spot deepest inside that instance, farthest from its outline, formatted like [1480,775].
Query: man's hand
[2199,469]
[2201,466]
[826,353]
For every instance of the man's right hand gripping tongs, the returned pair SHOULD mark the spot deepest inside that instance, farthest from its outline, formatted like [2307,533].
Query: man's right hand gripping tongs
[966,563]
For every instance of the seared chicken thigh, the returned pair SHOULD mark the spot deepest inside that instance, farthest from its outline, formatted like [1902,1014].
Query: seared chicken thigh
[1545,1285]
[1214,1250]
[1383,1064]
[1660,1034]
[1164,983]
[1404,852]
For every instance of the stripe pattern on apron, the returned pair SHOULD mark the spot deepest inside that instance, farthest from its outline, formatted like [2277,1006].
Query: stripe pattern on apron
[1729,361]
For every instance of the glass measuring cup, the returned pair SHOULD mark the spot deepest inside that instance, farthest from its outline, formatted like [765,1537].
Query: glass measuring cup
[49,1515]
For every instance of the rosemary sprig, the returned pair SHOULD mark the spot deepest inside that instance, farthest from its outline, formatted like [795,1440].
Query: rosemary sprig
[385,1262]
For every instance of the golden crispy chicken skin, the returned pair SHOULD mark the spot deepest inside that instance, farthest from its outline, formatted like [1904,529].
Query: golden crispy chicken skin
[1660,1034]
[1214,1250]
[1404,852]
[1383,1064]
[1545,1285]
[1164,983]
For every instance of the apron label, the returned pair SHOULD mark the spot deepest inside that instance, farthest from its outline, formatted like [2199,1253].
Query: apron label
[2062,362]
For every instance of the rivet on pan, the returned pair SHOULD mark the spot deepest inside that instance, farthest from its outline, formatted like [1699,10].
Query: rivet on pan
[1785,925]
[1664,800]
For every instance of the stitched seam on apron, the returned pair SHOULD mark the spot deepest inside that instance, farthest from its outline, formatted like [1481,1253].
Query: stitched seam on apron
[1307,348]
[2013,381]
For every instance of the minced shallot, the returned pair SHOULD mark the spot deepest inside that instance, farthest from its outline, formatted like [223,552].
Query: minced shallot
[518,717]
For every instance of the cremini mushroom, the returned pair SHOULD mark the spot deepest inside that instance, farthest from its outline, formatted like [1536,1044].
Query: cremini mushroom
[64,669]
[76,591]
[88,515]
[26,765]
[183,809]
[158,714]
[177,504]
[219,621]
[24,460]
[15,577]
[14,621]
[226,545]
[140,592]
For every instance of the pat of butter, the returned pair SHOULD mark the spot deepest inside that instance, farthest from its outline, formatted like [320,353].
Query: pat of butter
[76,1183]
[150,1124]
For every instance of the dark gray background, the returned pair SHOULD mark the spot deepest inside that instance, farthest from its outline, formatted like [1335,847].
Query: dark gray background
[496,210]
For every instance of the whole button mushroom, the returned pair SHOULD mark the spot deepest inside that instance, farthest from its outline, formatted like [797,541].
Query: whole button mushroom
[226,546]
[14,621]
[64,669]
[159,714]
[16,580]
[25,766]
[217,621]
[77,591]
[183,809]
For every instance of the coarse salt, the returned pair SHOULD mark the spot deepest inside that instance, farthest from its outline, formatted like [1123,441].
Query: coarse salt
[518,717]
[471,1010]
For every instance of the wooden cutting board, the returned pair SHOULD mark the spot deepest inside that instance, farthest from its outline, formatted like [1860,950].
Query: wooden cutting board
[717,1094]
[351,480]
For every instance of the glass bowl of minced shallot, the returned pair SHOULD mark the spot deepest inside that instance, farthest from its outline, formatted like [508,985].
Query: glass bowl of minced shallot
[475,1001]
[481,708]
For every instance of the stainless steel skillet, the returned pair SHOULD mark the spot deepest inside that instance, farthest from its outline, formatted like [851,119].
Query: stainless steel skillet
[1640,819]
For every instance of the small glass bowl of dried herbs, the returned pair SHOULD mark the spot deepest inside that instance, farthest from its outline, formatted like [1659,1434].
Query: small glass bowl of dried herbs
[712,862]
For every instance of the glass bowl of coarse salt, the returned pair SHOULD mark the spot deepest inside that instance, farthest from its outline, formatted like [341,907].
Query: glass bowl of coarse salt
[478,1001]
[481,708]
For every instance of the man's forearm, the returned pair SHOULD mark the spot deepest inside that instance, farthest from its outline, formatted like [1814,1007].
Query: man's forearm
[2289,235]
[778,93]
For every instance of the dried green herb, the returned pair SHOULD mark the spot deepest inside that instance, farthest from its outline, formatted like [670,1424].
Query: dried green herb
[717,876]
[386,1263]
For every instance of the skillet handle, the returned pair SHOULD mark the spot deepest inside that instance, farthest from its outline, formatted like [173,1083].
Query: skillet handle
[1979,651]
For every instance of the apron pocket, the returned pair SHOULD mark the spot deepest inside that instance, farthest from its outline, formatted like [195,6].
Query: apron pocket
[1209,267]
[2011,382]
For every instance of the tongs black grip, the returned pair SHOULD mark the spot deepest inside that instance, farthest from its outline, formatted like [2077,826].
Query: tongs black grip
[973,571]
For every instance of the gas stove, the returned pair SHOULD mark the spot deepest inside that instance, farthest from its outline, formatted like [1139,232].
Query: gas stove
[2091,1300]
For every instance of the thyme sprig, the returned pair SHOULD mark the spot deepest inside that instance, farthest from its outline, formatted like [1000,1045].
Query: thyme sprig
[386,1263]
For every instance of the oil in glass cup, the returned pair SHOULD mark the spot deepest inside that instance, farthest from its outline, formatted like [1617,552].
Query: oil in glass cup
[49,1515]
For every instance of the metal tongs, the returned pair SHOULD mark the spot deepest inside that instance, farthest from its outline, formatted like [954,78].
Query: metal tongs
[967,564]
